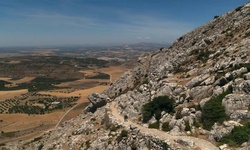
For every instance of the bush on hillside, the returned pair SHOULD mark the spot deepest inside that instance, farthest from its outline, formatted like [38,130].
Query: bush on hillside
[122,135]
[213,111]
[165,126]
[239,135]
[155,125]
[155,107]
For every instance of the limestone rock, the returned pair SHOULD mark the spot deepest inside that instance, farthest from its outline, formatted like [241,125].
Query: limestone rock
[97,100]
[197,80]
[241,86]
[200,92]
[236,105]
[247,76]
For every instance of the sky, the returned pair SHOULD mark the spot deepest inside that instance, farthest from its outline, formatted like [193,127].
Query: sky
[84,22]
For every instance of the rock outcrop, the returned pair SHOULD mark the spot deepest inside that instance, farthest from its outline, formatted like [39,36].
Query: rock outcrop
[97,101]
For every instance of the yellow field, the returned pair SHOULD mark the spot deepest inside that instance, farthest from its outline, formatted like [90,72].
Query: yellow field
[82,93]
[83,83]
[23,80]
[115,72]
[11,94]
[5,78]
[88,72]
[14,122]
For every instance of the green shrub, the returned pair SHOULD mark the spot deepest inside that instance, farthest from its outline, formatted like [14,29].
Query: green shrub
[109,142]
[145,81]
[178,113]
[9,134]
[179,69]
[93,119]
[155,125]
[238,8]
[100,75]
[238,66]
[165,146]
[247,65]
[216,17]
[187,126]
[165,126]
[219,75]
[37,139]
[40,146]
[113,127]
[203,55]
[239,135]
[155,107]
[213,111]
[87,143]
[196,124]
[123,134]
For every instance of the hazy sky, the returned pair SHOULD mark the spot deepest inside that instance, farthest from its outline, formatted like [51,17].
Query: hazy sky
[79,22]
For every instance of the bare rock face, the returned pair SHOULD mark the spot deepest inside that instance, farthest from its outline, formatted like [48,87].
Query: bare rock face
[237,105]
[241,86]
[247,76]
[197,80]
[97,101]
[131,103]
[200,92]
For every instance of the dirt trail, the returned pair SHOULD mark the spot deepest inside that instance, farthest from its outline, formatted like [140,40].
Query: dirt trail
[202,144]
[58,123]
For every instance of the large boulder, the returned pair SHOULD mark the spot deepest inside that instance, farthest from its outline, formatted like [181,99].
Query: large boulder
[200,92]
[97,100]
[236,105]
[196,81]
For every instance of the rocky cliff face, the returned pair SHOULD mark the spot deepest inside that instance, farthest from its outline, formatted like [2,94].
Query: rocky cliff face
[212,62]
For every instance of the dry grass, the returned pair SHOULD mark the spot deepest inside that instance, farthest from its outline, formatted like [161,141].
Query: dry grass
[11,94]
[30,124]
[15,122]
[88,72]
[13,62]
[82,93]
[83,83]
[5,79]
[115,72]
[23,80]
[75,112]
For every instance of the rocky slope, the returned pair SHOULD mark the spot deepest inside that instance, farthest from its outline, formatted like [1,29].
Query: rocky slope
[205,70]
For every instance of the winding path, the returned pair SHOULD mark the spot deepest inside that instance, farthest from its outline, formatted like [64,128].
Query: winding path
[58,123]
[202,144]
